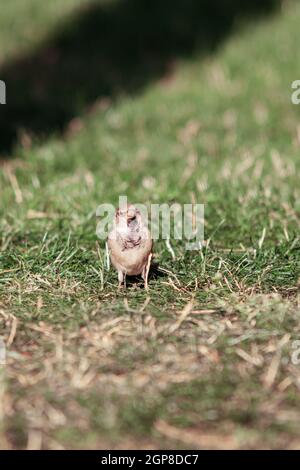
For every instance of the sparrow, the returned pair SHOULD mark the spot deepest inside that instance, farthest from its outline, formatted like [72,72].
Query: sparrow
[130,244]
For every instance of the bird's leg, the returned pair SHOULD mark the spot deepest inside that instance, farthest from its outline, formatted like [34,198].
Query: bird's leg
[146,270]
[121,278]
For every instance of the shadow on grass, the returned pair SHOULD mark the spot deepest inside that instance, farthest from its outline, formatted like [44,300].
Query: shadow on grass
[111,50]
[155,273]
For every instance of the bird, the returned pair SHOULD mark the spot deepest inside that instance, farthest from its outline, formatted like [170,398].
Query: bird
[130,244]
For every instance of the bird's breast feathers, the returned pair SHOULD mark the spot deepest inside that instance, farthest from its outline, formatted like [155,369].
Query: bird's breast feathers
[129,255]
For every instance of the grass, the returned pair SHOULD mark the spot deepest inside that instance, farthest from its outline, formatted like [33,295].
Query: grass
[91,367]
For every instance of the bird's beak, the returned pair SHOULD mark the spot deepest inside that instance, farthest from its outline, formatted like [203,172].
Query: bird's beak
[130,216]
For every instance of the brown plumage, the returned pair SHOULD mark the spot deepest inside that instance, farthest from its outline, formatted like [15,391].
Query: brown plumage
[130,244]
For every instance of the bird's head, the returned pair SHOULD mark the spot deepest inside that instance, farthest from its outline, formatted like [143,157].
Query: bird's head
[128,215]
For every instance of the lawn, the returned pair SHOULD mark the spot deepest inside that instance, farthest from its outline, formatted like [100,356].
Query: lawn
[101,103]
